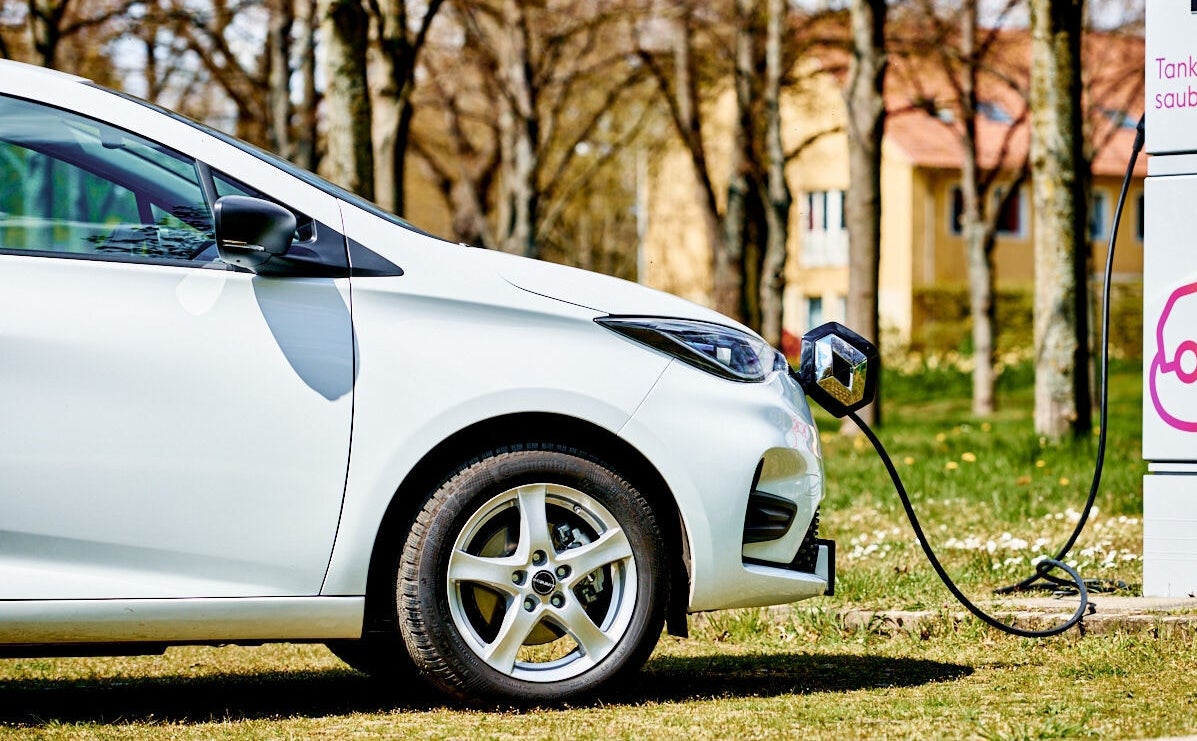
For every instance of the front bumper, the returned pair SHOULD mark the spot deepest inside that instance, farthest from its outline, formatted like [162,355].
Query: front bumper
[717,443]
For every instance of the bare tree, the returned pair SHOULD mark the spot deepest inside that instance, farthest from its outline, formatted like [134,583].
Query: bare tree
[518,114]
[306,152]
[399,47]
[862,206]
[748,236]
[680,86]
[277,69]
[778,198]
[972,59]
[71,35]
[209,66]
[52,21]
[1061,244]
[344,27]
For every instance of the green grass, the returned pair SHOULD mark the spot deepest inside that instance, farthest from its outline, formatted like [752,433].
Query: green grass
[796,675]
[990,493]
[759,673]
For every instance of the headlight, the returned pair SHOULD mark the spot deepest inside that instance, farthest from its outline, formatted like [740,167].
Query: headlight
[726,352]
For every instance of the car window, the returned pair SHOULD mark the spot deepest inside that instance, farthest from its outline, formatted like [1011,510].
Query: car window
[74,186]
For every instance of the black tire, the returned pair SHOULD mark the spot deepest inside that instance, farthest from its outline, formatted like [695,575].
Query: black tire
[532,575]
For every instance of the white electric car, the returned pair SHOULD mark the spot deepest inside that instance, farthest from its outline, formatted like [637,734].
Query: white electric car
[239,404]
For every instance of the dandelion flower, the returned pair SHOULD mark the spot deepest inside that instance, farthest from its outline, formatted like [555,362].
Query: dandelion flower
[1064,481]
[1040,463]
[951,465]
[908,460]
[940,437]
[968,457]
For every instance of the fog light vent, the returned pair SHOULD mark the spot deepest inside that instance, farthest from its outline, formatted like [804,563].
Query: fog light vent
[768,518]
[807,558]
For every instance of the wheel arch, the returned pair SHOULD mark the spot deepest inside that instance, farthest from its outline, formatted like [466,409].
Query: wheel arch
[513,430]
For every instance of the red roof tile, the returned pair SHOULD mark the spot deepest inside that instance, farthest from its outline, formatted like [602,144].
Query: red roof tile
[924,109]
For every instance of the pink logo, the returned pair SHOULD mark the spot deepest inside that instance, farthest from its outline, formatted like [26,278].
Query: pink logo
[1174,366]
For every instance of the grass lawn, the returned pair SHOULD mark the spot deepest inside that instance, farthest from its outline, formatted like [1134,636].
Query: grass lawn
[993,497]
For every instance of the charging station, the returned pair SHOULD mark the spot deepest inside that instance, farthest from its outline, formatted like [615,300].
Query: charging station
[1170,302]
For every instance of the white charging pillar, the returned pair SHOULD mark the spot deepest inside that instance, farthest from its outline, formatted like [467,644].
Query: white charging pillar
[1170,302]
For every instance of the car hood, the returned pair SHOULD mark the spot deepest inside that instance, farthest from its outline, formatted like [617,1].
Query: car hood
[598,292]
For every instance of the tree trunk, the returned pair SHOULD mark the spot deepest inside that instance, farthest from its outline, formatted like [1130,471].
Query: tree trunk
[282,18]
[729,273]
[978,238]
[45,29]
[519,136]
[862,206]
[779,200]
[978,245]
[345,31]
[305,124]
[1061,249]
[400,51]
[681,97]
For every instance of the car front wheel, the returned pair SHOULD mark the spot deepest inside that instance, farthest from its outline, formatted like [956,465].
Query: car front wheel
[531,575]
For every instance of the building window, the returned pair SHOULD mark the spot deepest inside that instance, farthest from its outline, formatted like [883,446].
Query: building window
[824,229]
[1009,222]
[1099,215]
[815,208]
[994,112]
[825,211]
[814,311]
[957,212]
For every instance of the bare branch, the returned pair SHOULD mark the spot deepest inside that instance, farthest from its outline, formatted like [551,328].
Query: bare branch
[797,150]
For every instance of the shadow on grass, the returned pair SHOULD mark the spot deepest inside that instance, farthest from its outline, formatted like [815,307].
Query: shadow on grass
[673,679]
[314,694]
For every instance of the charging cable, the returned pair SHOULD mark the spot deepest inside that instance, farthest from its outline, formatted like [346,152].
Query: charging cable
[1042,579]
[1042,576]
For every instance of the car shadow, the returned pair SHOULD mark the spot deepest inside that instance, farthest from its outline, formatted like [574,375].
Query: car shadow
[332,692]
[677,679]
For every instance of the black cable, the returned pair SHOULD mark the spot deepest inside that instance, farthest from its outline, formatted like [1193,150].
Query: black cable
[1033,582]
[943,575]
[1046,565]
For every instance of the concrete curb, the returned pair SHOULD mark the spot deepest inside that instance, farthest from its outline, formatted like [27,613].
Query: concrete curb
[1107,614]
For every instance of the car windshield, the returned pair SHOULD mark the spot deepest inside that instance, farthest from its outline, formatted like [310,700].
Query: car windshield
[279,162]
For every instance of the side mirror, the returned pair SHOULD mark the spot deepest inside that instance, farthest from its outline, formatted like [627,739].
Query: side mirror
[250,231]
[838,368]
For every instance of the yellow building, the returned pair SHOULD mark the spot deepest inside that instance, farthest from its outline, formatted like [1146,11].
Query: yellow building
[921,247]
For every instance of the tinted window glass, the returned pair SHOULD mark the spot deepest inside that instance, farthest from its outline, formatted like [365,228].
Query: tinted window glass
[72,185]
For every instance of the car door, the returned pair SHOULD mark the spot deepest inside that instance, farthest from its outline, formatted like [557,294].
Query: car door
[169,427]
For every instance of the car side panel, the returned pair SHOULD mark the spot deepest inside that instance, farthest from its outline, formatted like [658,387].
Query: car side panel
[511,351]
[168,431]
[42,622]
